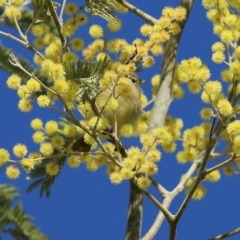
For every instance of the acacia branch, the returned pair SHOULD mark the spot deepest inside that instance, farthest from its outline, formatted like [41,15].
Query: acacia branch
[201,174]
[161,106]
[214,136]
[169,196]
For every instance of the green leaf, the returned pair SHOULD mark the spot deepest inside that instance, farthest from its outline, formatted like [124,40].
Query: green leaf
[41,11]
[45,182]
[103,8]
[7,193]
[35,184]
[13,220]
[6,66]
[85,69]
[87,74]
[25,21]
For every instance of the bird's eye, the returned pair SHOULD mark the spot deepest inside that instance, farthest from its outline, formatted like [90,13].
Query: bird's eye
[134,80]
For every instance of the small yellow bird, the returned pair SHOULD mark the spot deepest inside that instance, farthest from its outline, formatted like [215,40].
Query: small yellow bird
[127,92]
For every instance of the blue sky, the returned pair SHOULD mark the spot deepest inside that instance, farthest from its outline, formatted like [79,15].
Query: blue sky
[86,205]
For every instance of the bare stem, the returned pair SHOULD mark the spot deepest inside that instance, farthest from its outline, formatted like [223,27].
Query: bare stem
[158,186]
[138,12]
[226,235]
[148,103]
[13,37]
[24,43]
[231,159]
[62,10]
[166,213]
[20,31]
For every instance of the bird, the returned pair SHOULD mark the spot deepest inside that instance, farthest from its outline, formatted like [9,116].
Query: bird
[127,93]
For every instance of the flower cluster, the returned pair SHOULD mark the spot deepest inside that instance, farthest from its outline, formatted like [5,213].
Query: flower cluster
[194,140]
[53,54]
[192,72]
[144,162]
[54,139]
[135,163]
[156,36]
[226,26]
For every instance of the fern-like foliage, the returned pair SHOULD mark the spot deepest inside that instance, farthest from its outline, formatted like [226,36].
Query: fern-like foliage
[13,220]
[41,11]
[25,21]
[6,66]
[87,74]
[103,8]
[44,181]
[85,69]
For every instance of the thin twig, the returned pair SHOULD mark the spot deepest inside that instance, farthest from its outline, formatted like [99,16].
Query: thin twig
[226,235]
[19,30]
[166,213]
[148,103]
[60,111]
[159,187]
[138,12]
[13,37]
[212,127]
[57,23]
[61,12]
[232,159]
[14,61]
[24,43]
